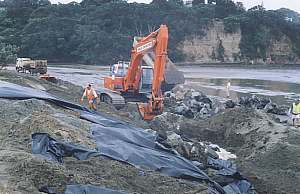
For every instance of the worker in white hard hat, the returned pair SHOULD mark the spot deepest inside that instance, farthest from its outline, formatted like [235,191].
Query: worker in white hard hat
[91,96]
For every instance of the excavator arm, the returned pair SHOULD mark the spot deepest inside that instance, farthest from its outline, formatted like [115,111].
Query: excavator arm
[144,45]
[155,104]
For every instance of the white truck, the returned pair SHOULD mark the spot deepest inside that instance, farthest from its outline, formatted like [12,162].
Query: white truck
[25,65]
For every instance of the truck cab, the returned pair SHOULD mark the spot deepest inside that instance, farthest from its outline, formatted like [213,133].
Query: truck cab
[21,62]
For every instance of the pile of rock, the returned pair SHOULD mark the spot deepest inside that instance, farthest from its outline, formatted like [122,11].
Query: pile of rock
[193,104]
[188,102]
[262,103]
[254,102]
[198,152]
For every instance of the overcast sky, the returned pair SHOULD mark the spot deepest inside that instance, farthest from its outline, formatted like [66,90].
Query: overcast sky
[269,4]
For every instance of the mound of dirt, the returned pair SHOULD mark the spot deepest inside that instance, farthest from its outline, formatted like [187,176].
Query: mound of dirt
[23,172]
[268,152]
[26,173]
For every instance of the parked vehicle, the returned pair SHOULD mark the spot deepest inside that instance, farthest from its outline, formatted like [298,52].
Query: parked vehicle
[27,65]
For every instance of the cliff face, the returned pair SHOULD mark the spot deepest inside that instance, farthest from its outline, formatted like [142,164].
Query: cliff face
[208,49]
[219,46]
[281,51]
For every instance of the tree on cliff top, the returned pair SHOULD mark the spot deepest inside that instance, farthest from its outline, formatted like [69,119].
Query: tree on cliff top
[101,31]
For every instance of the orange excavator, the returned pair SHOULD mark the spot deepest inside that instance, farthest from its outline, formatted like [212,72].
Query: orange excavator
[134,80]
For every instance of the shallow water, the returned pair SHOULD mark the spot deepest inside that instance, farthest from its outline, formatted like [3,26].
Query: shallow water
[280,83]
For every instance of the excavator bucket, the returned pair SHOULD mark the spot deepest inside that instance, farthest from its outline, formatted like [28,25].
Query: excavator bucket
[146,111]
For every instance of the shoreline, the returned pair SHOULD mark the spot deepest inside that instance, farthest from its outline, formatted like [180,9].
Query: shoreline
[241,64]
[182,64]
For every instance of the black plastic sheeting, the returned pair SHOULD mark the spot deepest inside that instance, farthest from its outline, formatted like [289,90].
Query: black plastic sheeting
[225,167]
[17,92]
[89,189]
[82,189]
[119,141]
[228,176]
[55,150]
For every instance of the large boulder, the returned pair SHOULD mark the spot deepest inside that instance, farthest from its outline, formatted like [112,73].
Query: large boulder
[166,122]
[200,152]
[230,104]
[263,103]
[254,102]
[196,151]
[195,105]
[196,95]
[249,102]
[169,99]
[275,109]
[184,110]
[173,139]
[217,105]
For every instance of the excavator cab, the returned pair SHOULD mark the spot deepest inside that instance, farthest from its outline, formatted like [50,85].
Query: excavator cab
[118,72]
[119,69]
[116,76]
[146,80]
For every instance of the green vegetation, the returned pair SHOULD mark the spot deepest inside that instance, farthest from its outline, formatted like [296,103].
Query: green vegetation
[259,27]
[8,54]
[101,31]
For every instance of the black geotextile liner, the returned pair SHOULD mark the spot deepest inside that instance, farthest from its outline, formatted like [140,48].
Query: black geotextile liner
[82,189]
[55,150]
[114,139]
[236,187]
[17,92]
[228,177]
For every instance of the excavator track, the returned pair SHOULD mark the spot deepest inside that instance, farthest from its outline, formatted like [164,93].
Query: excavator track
[112,97]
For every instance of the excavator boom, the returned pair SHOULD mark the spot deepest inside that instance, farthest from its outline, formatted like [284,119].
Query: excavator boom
[155,104]
[133,76]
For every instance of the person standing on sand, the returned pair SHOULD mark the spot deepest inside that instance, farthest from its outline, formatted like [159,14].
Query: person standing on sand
[295,112]
[228,88]
[91,96]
